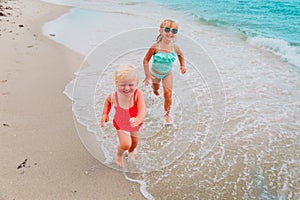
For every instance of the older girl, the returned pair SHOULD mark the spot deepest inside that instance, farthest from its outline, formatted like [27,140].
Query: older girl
[164,52]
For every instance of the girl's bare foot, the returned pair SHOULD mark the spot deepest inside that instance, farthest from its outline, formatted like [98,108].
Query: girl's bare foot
[167,119]
[119,160]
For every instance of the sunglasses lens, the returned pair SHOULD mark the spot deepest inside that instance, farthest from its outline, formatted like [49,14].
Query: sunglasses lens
[167,29]
[174,30]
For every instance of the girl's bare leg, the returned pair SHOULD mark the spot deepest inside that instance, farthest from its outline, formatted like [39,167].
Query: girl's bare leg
[155,85]
[124,144]
[119,158]
[168,87]
[134,143]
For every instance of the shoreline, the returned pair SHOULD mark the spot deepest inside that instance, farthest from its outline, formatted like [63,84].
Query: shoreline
[43,157]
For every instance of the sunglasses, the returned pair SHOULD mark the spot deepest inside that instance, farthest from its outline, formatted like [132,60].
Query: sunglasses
[173,30]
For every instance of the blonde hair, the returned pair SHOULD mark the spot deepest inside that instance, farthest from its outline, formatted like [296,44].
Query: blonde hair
[169,22]
[125,71]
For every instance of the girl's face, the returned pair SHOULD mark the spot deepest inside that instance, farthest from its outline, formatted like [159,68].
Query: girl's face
[126,87]
[169,31]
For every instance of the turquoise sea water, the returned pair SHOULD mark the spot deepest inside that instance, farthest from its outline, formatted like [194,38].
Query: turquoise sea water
[271,24]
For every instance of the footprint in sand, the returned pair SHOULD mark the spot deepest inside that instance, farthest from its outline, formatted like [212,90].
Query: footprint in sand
[4,81]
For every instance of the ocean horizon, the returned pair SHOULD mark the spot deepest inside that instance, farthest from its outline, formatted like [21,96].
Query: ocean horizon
[236,111]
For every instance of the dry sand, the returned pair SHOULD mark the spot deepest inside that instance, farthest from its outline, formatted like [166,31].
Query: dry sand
[41,154]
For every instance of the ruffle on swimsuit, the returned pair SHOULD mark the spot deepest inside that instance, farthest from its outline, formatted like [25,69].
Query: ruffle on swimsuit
[163,63]
[161,57]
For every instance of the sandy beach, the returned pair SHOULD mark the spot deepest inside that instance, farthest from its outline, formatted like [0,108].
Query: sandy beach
[41,154]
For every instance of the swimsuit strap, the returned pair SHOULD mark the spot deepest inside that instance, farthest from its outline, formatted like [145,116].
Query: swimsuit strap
[116,98]
[134,94]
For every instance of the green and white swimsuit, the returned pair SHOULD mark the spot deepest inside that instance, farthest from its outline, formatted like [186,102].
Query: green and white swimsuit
[163,63]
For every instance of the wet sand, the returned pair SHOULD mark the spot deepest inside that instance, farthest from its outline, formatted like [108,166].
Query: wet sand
[41,154]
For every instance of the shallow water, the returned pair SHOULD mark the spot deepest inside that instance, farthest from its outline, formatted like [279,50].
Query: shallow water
[236,112]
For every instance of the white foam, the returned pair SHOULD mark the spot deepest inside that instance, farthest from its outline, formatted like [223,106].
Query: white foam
[279,47]
[143,187]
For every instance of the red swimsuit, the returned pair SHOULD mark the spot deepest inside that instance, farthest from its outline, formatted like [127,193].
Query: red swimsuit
[122,116]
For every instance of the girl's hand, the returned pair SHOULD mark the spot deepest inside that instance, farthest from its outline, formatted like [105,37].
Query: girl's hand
[104,119]
[134,121]
[183,69]
[147,79]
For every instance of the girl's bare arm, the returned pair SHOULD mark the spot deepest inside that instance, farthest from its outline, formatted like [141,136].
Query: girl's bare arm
[146,60]
[181,59]
[106,109]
